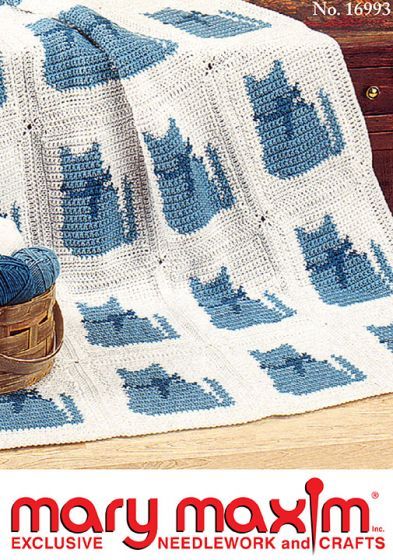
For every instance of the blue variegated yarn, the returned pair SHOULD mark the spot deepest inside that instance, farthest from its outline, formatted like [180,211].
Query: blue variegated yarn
[16,281]
[43,264]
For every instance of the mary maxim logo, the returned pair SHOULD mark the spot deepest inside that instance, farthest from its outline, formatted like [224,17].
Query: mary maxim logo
[320,522]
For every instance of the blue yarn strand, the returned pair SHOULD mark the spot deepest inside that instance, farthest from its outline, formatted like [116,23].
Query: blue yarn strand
[44,267]
[16,281]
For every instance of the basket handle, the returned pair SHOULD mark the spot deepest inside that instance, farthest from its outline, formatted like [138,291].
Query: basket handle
[26,366]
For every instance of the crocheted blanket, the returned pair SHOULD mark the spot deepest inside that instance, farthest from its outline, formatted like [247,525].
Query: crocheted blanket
[203,171]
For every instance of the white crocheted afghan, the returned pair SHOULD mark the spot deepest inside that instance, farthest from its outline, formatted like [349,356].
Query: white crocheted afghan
[203,171]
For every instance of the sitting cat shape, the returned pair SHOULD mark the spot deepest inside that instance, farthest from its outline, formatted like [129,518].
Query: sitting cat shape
[340,274]
[208,26]
[292,134]
[153,392]
[231,308]
[301,374]
[191,195]
[82,64]
[27,409]
[129,52]
[94,223]
[110,325]
[94,50]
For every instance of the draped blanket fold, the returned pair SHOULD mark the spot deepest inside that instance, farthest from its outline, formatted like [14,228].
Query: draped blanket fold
[203,171]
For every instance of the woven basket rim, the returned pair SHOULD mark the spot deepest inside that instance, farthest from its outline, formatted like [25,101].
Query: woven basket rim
[58,342]
[45,295]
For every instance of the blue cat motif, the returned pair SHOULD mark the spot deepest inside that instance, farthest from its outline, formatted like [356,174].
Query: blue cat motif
[224,24]
[191,198]
[131,53]
[339,273]
[232,309]
[71,59]
[27,409]
[93,223]
[83,50]
[301,374]
[294,138]
[153,392]
[110,325]
[384,334]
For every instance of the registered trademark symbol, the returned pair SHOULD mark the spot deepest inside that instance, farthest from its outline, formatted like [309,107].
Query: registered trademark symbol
[375,495]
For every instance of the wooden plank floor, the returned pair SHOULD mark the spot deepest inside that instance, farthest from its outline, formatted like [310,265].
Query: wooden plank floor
[356,435]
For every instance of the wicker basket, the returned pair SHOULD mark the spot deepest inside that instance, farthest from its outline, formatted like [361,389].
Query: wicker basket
[31,334]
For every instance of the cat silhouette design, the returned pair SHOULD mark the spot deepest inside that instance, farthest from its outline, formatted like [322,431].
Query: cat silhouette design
[301,374]
[110,325]
[207,26]
[93,222]
[191,195]
[231,308]
[293,135]
[27,409]
[130,53]
[340,274]
[81,65]
[94,50]
[153,392]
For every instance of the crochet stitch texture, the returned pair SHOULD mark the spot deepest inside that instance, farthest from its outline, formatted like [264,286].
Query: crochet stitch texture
[203,171]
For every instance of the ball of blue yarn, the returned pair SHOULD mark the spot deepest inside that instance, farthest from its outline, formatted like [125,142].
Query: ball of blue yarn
[43,264]
[16,281]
